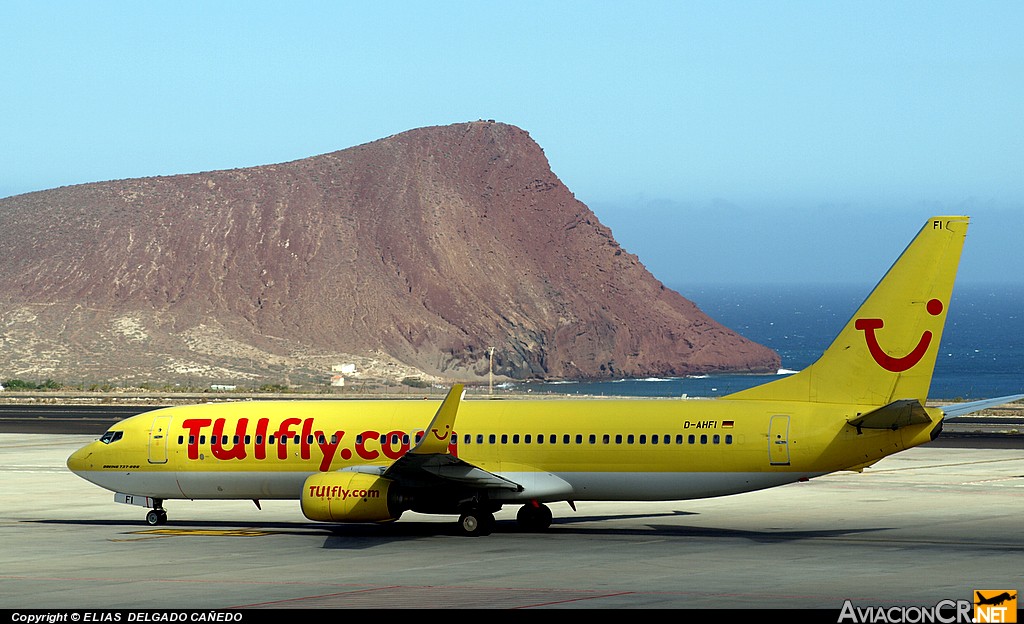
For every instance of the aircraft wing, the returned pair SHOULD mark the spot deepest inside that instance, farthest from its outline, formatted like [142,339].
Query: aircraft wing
[426,470]
[962,409]
[421,469]
[431,463]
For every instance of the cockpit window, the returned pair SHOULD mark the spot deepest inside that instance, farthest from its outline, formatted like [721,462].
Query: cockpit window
[111,436]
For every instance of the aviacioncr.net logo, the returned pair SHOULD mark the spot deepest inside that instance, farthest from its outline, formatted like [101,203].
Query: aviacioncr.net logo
[944,612]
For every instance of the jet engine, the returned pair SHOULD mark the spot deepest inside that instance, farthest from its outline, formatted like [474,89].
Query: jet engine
[350,497]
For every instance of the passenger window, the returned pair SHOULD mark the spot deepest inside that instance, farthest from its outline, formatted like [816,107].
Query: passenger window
[491,438]
[479,438]
[691,439]
[704,439]
[643,439]
[515,438]
[606,439]
[527,439]
[181,439]
[716,439]
[540,439]
[728,438]
[654,439]
[618,438]
[593,439]
[579,438]
[504,438]
[679,438]
[630,439]
[565,439]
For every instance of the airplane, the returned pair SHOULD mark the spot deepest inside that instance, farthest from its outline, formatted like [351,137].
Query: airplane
[994,600]
[372,460]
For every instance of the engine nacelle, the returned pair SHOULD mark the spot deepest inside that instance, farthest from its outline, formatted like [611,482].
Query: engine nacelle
[349,497]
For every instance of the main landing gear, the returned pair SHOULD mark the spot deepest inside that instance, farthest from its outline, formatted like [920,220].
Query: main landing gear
[533,517]
[157,515]
[474,522]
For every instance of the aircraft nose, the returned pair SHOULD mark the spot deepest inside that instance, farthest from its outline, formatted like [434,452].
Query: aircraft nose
[79,460]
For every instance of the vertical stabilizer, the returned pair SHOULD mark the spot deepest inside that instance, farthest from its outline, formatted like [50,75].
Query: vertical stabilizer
[887,351]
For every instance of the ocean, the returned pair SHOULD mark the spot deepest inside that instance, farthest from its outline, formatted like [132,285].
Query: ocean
[981,354]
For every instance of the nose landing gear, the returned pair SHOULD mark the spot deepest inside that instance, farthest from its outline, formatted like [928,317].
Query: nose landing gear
[157,515]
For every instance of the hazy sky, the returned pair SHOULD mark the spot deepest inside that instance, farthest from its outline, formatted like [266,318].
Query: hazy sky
[721,141]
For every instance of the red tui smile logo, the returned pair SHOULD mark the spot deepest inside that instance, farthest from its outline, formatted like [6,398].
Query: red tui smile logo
[896,364]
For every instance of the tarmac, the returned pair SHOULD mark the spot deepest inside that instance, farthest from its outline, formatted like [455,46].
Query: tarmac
[927,525]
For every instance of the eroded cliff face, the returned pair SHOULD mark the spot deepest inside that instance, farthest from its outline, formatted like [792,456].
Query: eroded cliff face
[415,253]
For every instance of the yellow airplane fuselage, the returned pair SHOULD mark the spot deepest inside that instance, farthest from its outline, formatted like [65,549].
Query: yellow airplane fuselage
[664,449]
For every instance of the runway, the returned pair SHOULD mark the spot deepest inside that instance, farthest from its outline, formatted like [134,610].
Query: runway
[930,524]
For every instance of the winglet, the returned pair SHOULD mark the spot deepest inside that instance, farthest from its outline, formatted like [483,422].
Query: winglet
[435,438]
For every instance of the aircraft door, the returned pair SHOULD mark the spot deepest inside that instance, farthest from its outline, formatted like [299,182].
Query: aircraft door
[158,435]
[778,440]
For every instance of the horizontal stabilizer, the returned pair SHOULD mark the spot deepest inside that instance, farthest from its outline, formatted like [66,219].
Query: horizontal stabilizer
[962,409]
[895,415]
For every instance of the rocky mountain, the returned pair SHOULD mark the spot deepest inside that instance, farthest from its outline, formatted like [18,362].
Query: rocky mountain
[411,255]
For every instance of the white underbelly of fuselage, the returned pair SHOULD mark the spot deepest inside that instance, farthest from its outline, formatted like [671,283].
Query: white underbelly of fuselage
[575,486]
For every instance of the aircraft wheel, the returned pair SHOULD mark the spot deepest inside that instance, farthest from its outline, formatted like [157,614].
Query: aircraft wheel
[476,522]
[153,518]
[534,518]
